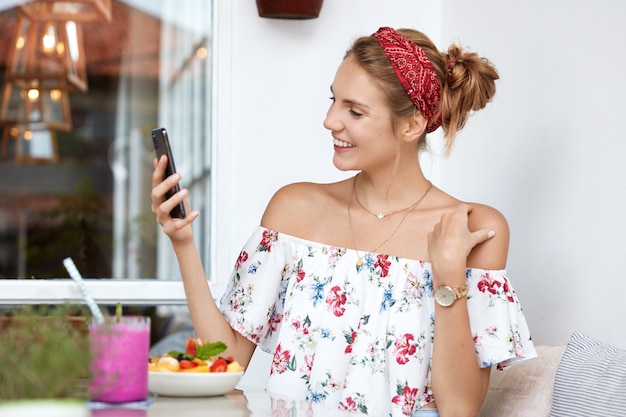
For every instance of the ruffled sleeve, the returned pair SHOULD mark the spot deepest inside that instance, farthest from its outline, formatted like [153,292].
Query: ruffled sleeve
[501,334]
[254,298]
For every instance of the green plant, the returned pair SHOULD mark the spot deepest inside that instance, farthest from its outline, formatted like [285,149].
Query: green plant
[44,353]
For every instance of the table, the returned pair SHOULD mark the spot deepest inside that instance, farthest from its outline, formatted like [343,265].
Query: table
[241,402]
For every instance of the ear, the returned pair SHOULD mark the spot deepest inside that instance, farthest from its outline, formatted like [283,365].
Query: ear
[415,127]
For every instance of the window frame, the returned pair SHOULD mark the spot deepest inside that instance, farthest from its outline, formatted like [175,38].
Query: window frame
[153,291]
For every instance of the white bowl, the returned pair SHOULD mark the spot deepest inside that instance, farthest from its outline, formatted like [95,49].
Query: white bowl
[192,384]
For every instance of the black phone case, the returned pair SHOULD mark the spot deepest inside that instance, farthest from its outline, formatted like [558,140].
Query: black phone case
[161,143]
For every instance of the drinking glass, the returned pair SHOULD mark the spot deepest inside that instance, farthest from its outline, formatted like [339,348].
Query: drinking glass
[119,365]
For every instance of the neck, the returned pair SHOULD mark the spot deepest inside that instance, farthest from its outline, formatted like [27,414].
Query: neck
[386,189]
[387,197]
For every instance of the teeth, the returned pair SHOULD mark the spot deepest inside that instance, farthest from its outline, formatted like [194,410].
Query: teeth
[343,144]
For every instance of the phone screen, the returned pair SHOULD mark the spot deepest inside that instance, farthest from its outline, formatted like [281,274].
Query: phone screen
[160,140]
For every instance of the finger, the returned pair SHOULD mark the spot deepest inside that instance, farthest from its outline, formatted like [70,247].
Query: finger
[163,210]
[159,170]
[482,235]
[177,224]
[161,203]
[160,189]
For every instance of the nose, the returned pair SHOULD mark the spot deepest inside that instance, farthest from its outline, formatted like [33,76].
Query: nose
[331,121]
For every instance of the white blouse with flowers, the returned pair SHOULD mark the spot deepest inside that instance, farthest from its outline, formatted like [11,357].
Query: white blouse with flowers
[354,330]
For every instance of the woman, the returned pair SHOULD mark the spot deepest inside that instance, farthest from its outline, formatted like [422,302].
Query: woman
[380,293]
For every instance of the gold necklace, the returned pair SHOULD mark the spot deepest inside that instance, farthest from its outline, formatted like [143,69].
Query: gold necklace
[408,209]
[381,216]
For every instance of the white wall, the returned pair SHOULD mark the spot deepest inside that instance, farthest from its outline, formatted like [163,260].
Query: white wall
[547,152]
[272,96]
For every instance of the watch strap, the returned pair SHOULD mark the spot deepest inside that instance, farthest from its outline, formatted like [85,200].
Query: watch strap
[459,291]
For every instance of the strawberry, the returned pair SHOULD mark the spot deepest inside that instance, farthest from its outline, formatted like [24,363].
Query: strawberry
[186,364]
[190,349]
[220,365]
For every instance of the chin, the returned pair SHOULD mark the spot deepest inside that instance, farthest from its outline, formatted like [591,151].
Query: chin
[342,166]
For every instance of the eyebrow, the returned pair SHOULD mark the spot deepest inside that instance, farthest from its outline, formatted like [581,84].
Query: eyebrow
[352,102]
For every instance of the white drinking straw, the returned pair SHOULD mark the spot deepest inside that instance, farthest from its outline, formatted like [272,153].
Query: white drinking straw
[95,310]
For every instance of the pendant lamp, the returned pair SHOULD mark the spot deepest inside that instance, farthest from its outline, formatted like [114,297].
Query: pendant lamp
[47,55]
[36,108]
[75,10]
[26,143]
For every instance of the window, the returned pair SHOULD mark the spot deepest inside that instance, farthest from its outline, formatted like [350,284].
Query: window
[80,187]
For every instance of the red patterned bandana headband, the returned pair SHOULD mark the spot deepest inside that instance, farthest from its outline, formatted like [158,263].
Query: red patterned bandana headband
[414,71]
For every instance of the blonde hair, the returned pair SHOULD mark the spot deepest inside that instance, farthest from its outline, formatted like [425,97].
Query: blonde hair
[467,81]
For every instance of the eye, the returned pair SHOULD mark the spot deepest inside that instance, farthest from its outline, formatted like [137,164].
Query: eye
[355,113]
[332,98]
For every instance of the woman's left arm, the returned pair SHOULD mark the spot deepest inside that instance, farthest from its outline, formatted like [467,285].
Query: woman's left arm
[470,235]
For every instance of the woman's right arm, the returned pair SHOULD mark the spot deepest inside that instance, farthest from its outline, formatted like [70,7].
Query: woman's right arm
[208,322]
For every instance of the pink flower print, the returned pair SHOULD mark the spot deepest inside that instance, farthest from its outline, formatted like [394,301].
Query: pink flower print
[477,340]
[488,284]
[275,319]
[336,301]
[335,255]
[243,256]
[412,285]
[348,404]
[427,398]
[406,398]
[507,291]
[492,331]
[383,263]
[308,364]
[296,323]
[301,327]
[269,237]
[350,336]
[300,276]
[404,348]
[256,336]
[280,362]
[236,304]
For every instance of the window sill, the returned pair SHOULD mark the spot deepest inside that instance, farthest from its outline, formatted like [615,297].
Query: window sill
[104,291]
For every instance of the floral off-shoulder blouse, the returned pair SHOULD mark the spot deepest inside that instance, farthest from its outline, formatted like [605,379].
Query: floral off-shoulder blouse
[354,330]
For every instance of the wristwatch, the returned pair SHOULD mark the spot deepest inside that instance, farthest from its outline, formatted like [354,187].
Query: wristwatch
[446,296]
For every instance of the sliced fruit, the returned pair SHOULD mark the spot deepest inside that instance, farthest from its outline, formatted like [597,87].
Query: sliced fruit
[186,364]
[190,349]
[168,363]
[234,366]
[220,365]
[203,368]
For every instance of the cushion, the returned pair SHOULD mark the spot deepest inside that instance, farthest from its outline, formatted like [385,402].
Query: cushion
[590,380]
[524,389]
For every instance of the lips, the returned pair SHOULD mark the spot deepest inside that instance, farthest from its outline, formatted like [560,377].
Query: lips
[341,144]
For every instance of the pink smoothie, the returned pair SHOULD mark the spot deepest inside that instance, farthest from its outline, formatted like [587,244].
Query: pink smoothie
[120,360]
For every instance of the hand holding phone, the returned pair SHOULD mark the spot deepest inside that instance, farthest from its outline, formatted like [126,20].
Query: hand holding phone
[161,143]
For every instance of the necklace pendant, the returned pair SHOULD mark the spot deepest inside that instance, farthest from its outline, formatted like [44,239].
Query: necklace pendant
[380,216]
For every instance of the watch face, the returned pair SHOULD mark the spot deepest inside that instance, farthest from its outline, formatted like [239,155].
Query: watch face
[444,295]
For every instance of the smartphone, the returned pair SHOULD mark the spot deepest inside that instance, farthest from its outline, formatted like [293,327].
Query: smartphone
[161,143]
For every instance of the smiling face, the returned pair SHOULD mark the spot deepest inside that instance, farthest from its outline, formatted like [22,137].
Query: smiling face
[360,121]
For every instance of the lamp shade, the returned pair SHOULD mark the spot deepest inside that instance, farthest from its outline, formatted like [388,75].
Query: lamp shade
[26,143]
[47,55]
[75,10]
[36,108]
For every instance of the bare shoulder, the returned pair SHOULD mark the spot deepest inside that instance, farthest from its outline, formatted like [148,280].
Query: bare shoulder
[493,253]
[294,208]
[483,216]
